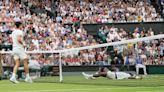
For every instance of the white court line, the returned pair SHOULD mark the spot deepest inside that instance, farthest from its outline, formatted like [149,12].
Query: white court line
[83,89]
[151,91]
[67,90]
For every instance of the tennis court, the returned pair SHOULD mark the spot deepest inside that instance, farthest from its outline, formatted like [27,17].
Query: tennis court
[77,83]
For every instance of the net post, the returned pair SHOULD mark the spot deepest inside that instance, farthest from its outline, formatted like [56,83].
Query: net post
[60,67]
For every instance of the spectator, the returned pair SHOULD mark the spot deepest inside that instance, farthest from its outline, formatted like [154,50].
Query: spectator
[140,64]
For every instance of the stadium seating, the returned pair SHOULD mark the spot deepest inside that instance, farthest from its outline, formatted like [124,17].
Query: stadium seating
[44,32]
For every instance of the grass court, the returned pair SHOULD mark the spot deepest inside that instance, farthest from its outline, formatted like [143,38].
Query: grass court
[150,83]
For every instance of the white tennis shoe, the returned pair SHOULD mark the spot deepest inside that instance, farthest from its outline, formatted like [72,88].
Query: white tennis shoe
[13,80]
[28,79]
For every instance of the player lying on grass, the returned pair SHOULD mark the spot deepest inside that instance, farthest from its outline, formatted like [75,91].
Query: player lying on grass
[105,72]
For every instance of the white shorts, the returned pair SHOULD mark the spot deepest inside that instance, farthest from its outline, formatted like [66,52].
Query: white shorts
[118,75]
[19,53]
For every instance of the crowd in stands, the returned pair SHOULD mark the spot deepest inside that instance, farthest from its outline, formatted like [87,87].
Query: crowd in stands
[151,52]
[112,34]
[106,11]
[45,33]
[41,32]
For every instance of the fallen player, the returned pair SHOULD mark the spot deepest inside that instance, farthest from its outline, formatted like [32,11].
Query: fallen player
[105,72]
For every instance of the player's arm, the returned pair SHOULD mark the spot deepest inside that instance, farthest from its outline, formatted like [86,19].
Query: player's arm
[20,39]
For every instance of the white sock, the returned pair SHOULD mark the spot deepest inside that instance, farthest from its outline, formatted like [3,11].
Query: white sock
[13,75]
[27,75]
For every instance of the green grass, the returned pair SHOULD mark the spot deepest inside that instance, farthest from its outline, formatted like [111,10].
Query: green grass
[151,83]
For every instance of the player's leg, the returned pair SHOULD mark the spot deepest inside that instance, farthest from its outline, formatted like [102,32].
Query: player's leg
[124,75]
[93,76]
[26,68]
[88,76]
[100,74]
[24,58]
[15,69]
[133,76]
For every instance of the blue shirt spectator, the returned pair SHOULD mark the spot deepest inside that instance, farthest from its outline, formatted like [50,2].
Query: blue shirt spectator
[59,18]
[127,61]
[139,60]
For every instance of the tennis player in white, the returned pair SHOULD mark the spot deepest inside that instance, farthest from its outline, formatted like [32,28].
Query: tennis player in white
[19,53]
[104,72]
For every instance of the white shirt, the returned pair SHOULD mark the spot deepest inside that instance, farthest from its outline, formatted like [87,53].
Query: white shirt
[136,35]
[112,36]
[15,35]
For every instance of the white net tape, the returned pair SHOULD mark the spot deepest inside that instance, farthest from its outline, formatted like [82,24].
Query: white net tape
[96,46]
